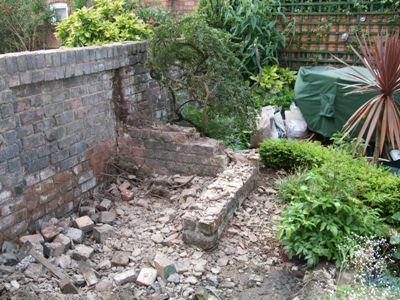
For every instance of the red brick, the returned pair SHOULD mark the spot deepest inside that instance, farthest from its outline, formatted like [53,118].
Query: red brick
[38,238]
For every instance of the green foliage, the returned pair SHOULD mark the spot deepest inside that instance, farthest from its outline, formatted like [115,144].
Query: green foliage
[78,4]
[234,130]
[335,195]
[275,87]
[274,79]
[25,25]
[252,23]
[105,22]
[318,221]
[154,15]
[197,65]
[289,155]
[283,99]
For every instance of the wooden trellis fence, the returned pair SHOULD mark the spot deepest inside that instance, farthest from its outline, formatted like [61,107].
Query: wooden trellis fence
[324,27]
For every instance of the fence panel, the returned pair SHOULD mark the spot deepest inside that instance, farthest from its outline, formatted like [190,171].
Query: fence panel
[323,28]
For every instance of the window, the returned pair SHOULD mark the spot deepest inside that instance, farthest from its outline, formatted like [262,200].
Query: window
[60,10]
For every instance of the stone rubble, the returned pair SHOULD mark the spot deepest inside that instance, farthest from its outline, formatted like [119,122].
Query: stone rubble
[141,254]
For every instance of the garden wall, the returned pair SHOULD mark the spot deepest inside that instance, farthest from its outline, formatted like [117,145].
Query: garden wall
[60,110]
[178,7]
[172,150]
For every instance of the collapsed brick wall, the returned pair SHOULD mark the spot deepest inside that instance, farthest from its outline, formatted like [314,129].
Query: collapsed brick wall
[58,125]
[173,149]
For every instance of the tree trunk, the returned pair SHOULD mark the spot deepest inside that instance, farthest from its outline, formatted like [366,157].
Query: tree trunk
[377,143]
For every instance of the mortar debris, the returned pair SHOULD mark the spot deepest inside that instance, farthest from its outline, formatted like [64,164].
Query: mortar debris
[117,260]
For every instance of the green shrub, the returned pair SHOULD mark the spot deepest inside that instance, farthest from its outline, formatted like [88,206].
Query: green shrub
[275,87]
[234,130]
[375,186]
[291,155]
[78,4]
[252,23]
[105,22]
[25,25]
[315,226]
[154,15]
[283,99]
[274,79]
[197,65]
[334,196]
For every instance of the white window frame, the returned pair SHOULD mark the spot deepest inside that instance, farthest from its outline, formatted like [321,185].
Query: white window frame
[60,5]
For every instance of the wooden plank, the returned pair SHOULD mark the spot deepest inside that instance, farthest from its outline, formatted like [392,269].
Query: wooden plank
[66,284]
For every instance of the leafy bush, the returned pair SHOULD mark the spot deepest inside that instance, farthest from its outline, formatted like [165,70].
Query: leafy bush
[198,67]
[107,21]
[318,221]
[289,155]
[335,195]
[234,131]
[25,25]
[274,79]
[252,23]
[154,15]
[78,4]
[275,87]
[283,99]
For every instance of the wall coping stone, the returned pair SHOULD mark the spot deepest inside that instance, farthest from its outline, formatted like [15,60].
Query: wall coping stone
[23,68]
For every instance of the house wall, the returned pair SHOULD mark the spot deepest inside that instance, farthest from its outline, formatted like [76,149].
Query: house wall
[59,115]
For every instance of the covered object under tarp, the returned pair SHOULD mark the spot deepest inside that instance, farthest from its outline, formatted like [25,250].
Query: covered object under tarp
[322,99]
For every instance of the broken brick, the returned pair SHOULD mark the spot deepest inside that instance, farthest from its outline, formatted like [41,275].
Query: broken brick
[84,223]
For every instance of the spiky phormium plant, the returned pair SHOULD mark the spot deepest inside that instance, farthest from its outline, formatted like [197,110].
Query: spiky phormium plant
[379,116]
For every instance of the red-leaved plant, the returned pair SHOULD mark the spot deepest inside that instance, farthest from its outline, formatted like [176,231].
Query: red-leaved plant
[379,116]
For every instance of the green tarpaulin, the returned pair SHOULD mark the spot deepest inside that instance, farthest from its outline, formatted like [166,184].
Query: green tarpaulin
[323,100]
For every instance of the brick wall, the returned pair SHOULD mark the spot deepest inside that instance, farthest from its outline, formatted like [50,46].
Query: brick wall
[59,112]
[172,150]
[178,7]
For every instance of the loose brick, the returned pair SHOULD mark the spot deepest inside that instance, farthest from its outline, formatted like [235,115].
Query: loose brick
[84,223]
[104,205]
[82,252]
[50,232]
[165,267]
[53,249]
[147,276]
[125,277]
[64,240]
[34,238]
[76,235]
[103,232]
[107,217]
